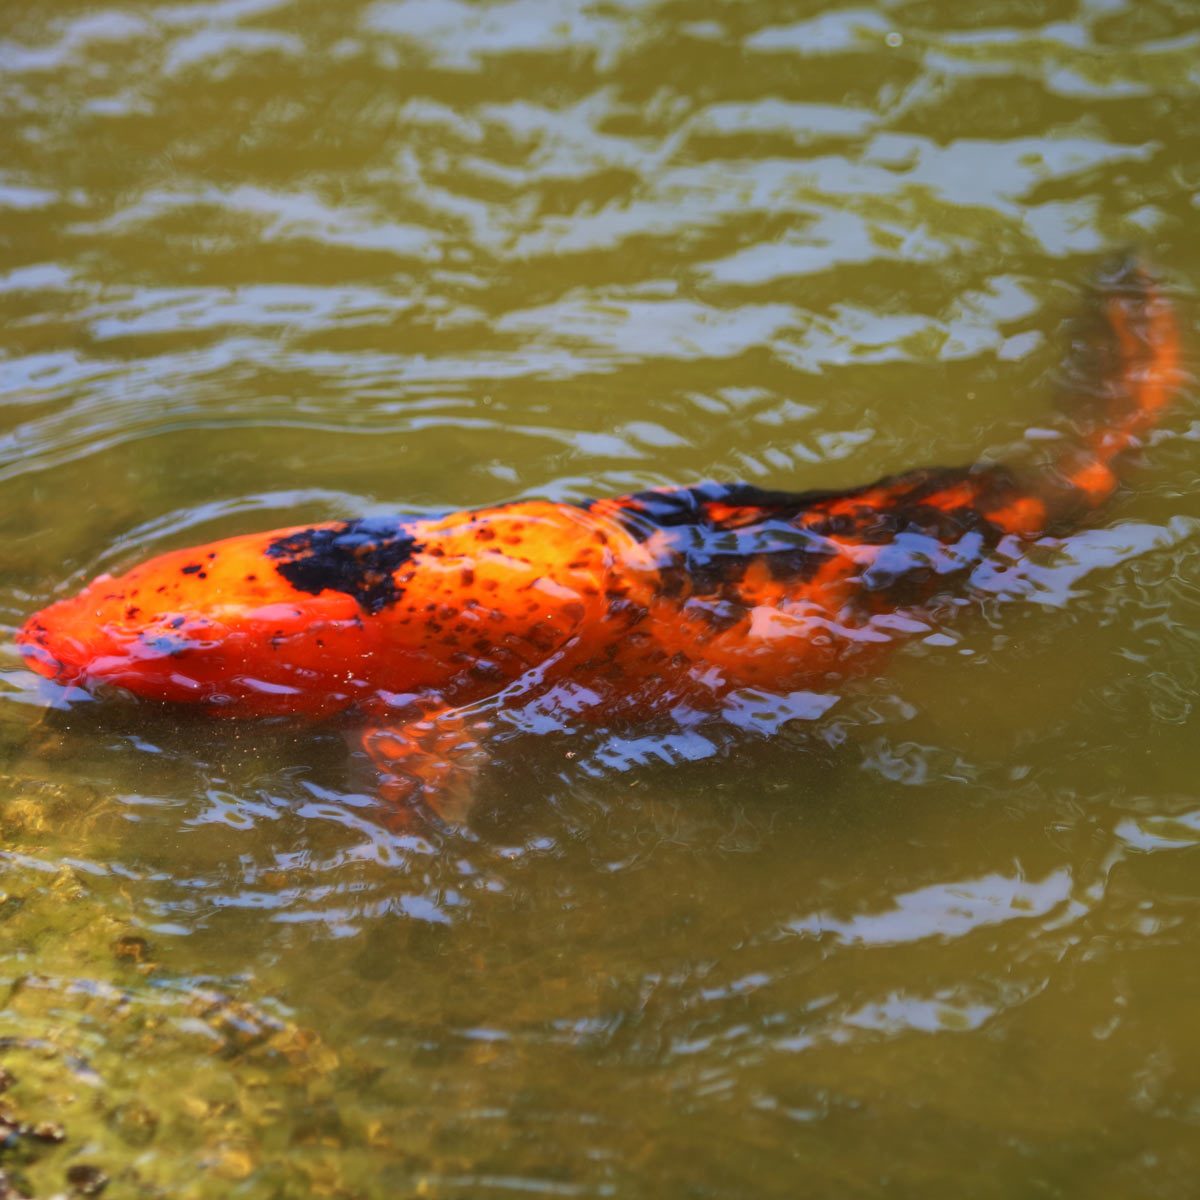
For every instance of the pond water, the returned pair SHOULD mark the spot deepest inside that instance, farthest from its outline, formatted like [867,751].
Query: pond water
[271,261]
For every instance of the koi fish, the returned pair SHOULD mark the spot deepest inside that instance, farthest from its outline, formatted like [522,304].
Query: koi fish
[640,603]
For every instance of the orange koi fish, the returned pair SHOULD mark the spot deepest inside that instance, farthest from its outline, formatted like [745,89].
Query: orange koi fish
[677,596]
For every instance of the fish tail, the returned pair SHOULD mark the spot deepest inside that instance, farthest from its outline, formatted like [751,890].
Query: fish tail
[1121,374]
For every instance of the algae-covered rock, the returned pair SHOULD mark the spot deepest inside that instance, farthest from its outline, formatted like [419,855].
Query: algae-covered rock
[114,1069]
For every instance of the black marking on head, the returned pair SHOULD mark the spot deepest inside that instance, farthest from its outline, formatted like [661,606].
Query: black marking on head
[359,558]
[190,569]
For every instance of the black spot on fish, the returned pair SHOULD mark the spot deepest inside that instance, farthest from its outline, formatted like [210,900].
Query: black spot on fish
[801,563]
[359,558]
[190,569]
[670,508]
[719,614]
[486,671]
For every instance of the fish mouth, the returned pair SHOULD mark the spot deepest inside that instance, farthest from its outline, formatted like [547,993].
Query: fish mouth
[64,659]
[68,660]
[34,642]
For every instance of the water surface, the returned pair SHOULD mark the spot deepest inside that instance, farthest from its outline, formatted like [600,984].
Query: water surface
[271,261]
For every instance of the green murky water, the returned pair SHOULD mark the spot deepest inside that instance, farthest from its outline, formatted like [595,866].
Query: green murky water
[263,261]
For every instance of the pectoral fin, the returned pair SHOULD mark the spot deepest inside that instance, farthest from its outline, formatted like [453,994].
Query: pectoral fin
[429,763]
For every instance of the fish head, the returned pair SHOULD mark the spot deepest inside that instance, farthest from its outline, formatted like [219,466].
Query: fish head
[285,622]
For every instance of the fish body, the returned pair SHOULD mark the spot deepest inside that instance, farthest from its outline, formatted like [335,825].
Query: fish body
[642,602]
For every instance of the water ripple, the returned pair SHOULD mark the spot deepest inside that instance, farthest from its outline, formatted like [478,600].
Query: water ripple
[268,261]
